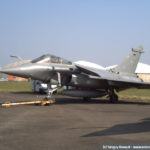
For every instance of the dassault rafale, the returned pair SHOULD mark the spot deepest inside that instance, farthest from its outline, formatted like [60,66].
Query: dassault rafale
[82,80]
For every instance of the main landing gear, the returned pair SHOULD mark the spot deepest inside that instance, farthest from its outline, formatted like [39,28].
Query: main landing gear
[113,97]
[86,99]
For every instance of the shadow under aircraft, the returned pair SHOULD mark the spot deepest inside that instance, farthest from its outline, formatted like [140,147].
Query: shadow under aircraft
[130,128]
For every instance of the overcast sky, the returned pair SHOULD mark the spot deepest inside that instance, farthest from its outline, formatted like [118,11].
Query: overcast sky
[100,31]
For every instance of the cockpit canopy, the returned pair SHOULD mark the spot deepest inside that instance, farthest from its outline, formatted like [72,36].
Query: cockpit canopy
[50,59]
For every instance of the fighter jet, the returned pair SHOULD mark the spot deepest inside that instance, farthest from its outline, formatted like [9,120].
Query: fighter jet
[82,80]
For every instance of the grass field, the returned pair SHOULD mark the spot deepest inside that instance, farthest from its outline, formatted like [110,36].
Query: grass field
[15,86]
[26,87]
[142,94]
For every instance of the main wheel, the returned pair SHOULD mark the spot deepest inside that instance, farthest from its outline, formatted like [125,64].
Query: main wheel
[86,99]
[113,98]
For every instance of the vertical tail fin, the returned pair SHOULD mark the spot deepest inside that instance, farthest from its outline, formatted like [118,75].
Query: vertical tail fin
[129,64]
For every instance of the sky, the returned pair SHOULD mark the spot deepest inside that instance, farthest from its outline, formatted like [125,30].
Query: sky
[99,31]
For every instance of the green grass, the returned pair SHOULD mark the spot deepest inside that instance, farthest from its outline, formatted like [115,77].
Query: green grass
[143,94]
[26,87]
[15,87]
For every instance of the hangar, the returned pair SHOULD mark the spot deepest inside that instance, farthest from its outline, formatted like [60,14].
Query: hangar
[143,71]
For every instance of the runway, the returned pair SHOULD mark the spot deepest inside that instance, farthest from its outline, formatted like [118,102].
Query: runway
[71,123]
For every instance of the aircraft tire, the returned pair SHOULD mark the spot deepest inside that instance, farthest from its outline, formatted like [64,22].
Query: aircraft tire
[114,98]
[86,99]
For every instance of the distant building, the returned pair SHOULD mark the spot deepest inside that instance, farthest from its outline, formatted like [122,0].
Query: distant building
[14,78]
[143,71]
[3,77]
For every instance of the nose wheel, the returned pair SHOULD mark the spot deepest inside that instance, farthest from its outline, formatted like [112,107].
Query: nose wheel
[50,92]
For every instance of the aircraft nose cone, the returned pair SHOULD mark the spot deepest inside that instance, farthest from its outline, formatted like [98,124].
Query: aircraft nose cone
[13,71]
[34,71]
